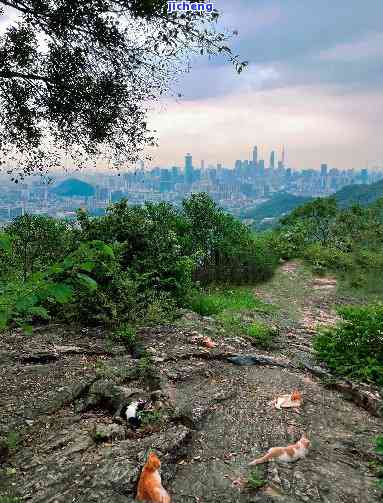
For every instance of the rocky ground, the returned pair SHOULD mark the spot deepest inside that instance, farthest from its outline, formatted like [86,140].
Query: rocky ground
[62,389]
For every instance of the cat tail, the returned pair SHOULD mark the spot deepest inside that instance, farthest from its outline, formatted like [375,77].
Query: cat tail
[261,460]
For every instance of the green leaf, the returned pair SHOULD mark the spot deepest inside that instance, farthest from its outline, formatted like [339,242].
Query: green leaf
[39,311]
[27,329]
[4,317]
[87,266]
[61,292]
[88,282]
[26,303]
[56,269]
[104,248]
[5,242]
[68,263]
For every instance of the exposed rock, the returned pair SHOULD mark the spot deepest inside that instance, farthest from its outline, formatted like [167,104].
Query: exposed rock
[103,432]
[244,360]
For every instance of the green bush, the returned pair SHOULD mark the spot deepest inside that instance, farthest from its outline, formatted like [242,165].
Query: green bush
[354,348]
[261,334]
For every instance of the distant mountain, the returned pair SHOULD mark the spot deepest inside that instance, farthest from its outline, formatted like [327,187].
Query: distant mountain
[74,188]
[279,204]
[362,194]
[283,203]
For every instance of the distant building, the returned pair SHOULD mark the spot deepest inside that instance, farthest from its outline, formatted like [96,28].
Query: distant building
[323,170]
[188,169]
[272,160]
[238,168]
[255,155]
[283,156]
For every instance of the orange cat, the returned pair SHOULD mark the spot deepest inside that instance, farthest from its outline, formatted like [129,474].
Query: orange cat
[149,485]
[292,400]
[287,454]
[207,342]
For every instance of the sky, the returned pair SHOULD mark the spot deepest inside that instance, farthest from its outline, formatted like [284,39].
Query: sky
[314,84]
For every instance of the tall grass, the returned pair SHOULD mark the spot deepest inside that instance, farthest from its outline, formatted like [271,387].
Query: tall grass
[215,301]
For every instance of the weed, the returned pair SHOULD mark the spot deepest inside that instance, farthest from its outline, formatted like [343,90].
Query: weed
[232,323]
[151,417]
[217,300]
[261,334]
[255,481]
[126,334]
[13,440]
[98,436]
[9,499]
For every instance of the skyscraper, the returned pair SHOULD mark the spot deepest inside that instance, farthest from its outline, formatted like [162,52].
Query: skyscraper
[255,155]
[283,156]
[272,160]
[188,168]
[323,170]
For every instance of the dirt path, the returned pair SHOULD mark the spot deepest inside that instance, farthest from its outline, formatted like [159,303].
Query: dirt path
[208,418]
[305,302]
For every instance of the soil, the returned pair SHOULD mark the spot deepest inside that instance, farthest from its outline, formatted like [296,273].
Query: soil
[62,390]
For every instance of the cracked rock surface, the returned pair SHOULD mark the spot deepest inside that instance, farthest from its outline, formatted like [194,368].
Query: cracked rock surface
[205,417]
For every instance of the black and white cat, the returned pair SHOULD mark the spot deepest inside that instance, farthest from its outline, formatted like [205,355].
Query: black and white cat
[130,413]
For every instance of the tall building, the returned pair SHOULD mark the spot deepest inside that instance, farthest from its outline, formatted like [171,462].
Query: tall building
[238,165]
[272,160]
[255,156]
[261,166]
[323,170]
[202,165]
[283,157]
[188,168]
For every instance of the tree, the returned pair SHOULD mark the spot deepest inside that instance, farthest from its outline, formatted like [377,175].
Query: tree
[76,76]
[38,241]
[315,218]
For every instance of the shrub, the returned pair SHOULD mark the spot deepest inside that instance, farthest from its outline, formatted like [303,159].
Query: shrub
[261,334]
[355,347]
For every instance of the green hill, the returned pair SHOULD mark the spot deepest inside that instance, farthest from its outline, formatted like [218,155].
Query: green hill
[283,202]
[362,194]
[280,203]
[74,188]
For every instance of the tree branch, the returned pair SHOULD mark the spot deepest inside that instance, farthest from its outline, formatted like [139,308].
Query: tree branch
[26,76]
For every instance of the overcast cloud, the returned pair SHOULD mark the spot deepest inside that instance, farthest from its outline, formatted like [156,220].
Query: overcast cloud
[314,83]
